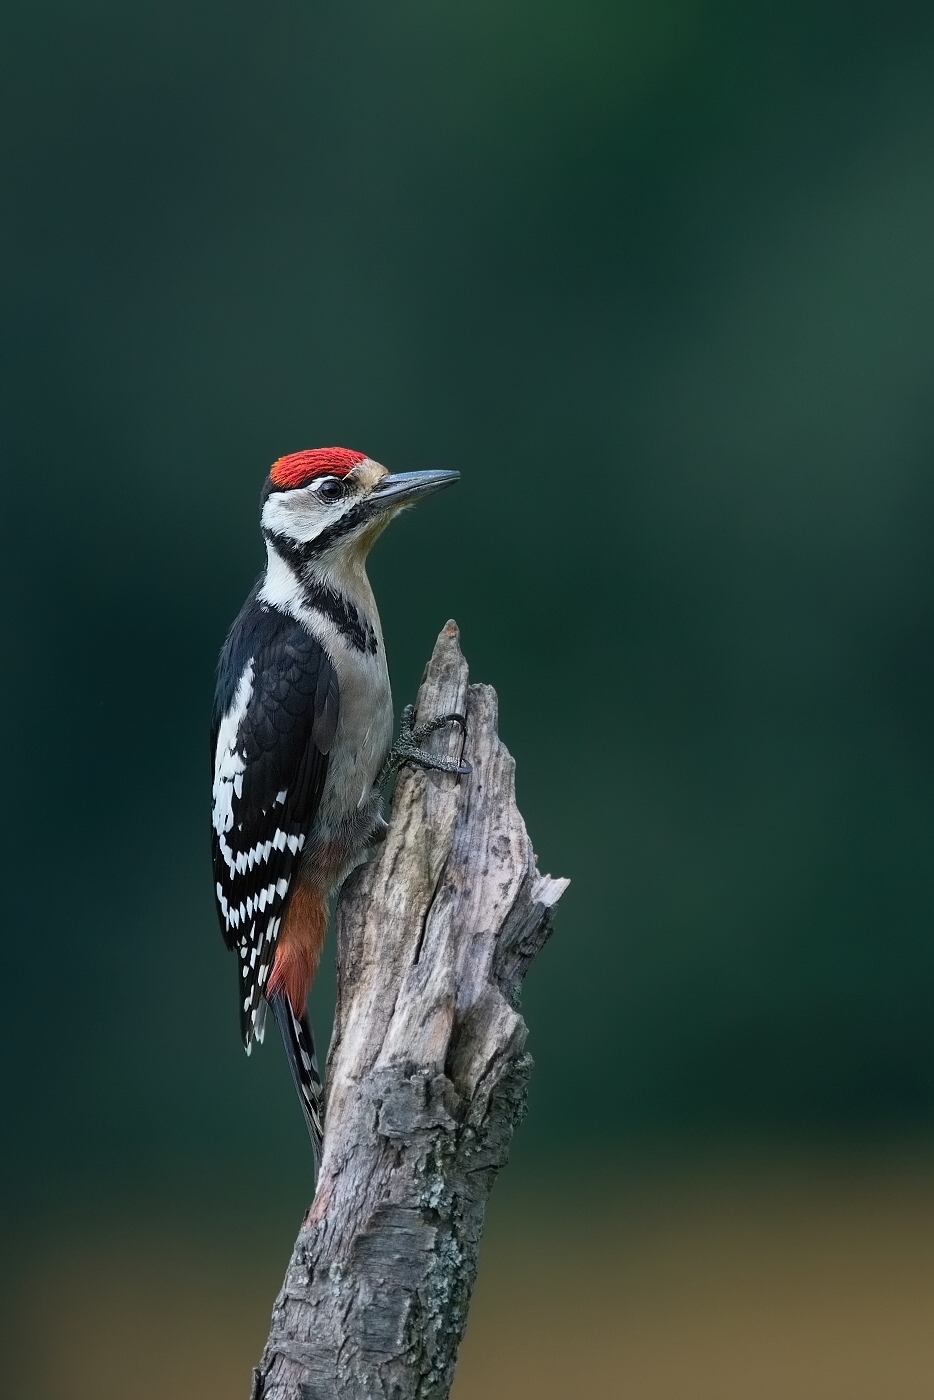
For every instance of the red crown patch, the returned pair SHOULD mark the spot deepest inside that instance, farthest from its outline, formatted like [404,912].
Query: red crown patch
[300,467]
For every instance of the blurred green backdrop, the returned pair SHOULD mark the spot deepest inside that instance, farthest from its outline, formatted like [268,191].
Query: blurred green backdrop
[657,278]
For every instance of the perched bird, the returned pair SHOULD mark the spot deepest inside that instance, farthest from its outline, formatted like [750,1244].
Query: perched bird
[302,736]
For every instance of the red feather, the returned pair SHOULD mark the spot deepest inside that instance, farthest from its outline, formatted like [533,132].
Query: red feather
[300,467]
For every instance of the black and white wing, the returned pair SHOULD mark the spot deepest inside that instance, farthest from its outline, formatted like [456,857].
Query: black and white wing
[275,717]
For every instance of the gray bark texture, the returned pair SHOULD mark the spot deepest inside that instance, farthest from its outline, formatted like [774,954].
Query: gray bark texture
[427,1073]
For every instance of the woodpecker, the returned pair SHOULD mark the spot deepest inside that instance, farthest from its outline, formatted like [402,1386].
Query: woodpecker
[302,736]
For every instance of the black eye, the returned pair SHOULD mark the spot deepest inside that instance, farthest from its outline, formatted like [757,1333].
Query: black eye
[330,488]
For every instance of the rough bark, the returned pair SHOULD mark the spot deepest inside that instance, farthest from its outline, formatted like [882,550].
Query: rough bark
[427,1073]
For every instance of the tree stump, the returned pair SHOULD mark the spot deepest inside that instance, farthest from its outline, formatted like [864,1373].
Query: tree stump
[427,1073]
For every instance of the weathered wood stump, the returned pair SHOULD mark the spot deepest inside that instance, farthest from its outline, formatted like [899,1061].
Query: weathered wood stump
[427,1073]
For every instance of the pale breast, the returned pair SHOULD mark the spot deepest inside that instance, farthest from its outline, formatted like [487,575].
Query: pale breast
[365,720]
[364,731]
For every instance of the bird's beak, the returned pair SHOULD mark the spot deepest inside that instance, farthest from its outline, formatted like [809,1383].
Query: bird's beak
[401,488]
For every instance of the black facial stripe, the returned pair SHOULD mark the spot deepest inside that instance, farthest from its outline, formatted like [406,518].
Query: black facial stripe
[297,553]
[359,514]
[341,611]
[356,516]
[294,552]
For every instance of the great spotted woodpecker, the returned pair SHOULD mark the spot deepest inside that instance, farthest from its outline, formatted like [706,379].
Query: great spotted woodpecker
[302,736]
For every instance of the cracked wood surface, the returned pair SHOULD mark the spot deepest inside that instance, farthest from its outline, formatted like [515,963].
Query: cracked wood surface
[427,1073]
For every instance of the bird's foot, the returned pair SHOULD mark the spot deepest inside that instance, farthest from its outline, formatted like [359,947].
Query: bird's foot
[408,747]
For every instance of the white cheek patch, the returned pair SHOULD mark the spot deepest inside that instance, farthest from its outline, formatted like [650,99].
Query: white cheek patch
[301,515]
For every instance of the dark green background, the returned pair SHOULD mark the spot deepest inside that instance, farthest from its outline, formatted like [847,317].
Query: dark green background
[658,279]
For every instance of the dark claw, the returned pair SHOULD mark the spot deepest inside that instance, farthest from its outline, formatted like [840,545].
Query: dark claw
[407,748]
[431,726]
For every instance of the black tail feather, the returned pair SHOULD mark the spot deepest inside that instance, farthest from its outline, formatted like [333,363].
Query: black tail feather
[300,1052]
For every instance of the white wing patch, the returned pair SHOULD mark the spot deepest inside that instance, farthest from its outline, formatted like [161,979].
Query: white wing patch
[262,746]
[229,767]
[229,762]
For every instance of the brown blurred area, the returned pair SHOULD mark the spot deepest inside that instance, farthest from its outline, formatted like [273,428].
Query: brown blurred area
[805,1277]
